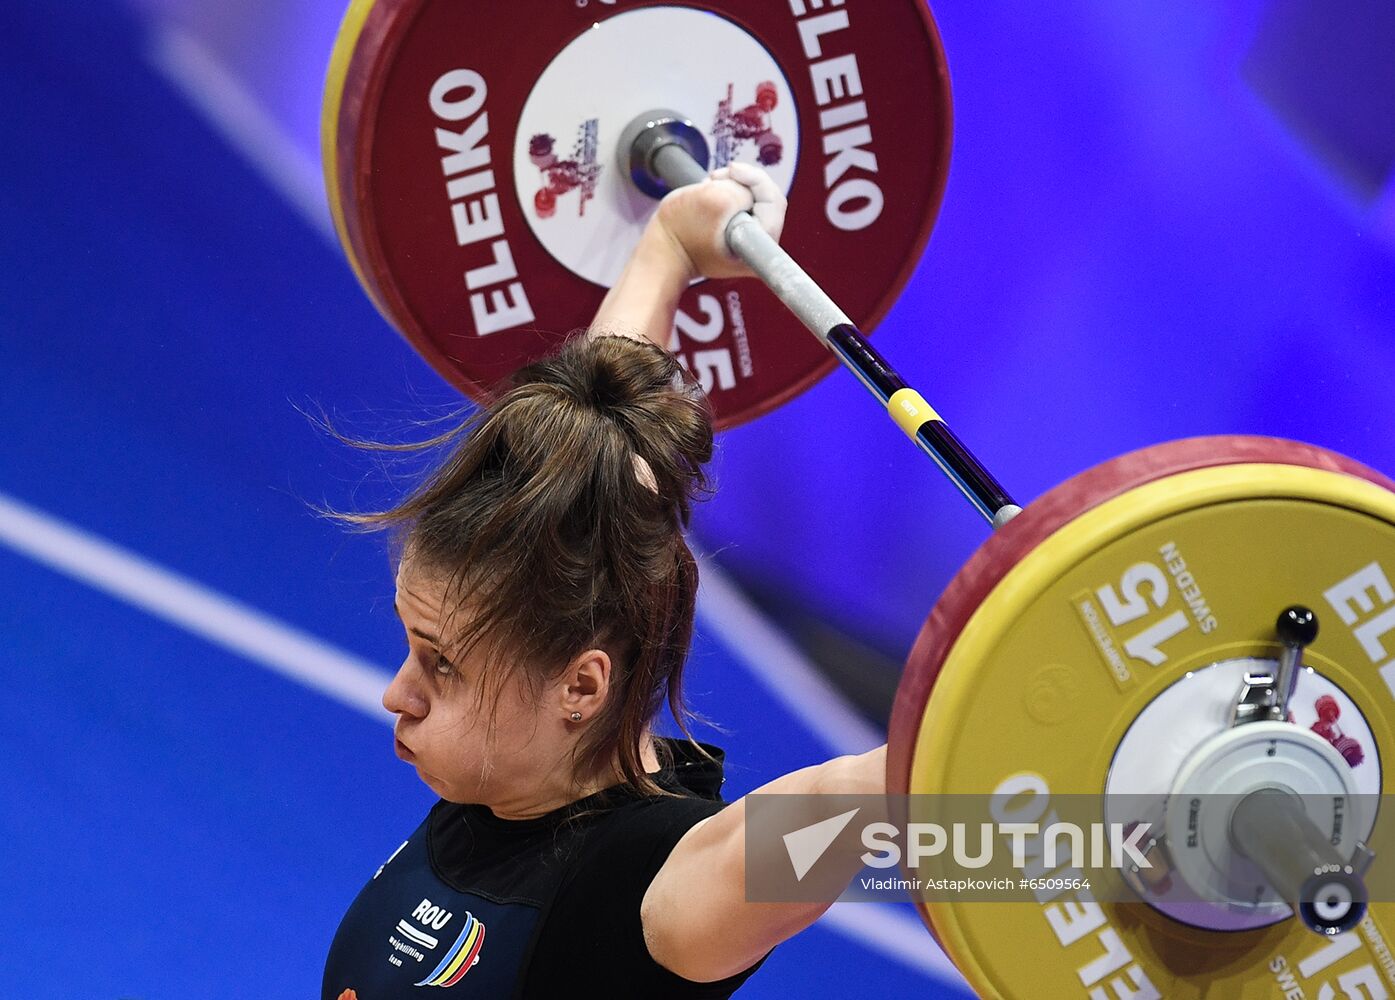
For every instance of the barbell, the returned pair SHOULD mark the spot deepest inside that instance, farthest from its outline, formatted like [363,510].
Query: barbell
[1193,633]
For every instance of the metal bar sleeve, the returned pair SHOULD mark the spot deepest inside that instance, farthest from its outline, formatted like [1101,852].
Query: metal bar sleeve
[676,165]
[1271,827]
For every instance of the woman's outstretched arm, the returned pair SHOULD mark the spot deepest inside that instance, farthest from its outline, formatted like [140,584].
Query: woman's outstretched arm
[686,239]
[697,920]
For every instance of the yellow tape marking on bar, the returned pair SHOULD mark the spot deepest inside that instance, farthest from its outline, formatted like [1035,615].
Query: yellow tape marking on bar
[909,409]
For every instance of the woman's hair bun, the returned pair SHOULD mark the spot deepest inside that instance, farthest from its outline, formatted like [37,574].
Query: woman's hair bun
[644,392]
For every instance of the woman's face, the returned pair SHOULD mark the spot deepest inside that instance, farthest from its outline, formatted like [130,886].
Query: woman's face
[510,753]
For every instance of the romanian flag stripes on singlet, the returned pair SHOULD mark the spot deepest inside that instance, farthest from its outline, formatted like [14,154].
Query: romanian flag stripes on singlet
[461,957]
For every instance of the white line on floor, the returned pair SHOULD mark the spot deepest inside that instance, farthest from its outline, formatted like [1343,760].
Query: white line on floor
[781,666]
[227,105]
[176,599]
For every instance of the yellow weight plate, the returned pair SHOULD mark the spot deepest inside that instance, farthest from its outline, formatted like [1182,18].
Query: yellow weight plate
[1088,628]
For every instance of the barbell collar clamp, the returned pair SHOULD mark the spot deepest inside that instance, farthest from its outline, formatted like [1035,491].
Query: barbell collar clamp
[1297,627]
[661,150]
[1264,697]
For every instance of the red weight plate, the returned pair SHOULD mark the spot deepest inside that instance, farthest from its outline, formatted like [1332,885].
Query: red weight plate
[471,168]
[1039,521]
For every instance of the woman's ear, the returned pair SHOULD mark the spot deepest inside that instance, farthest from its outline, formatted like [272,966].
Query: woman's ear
[586,684]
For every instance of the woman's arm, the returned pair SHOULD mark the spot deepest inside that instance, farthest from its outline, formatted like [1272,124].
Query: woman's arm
[697,920]
[686,239]
[643,302]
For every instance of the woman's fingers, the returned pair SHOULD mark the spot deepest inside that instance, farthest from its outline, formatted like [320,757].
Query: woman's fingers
[770,205]
[762,185]
[767,200]
[696,216]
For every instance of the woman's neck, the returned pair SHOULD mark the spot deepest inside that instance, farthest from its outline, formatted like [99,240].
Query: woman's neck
[543,800]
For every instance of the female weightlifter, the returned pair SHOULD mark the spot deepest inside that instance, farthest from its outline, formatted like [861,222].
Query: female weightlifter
[547,593]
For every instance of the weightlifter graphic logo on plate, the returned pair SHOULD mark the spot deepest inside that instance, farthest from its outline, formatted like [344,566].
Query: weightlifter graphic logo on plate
[579,173]
[735,126]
